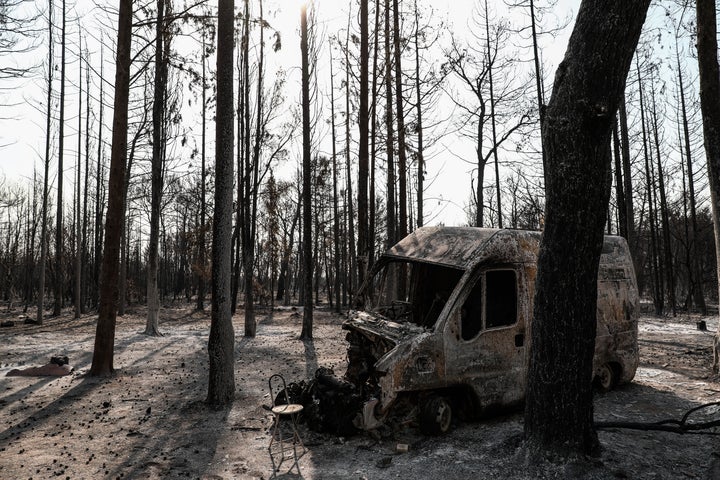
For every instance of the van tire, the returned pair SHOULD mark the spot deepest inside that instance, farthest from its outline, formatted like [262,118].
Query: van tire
[435,415]
[606,378]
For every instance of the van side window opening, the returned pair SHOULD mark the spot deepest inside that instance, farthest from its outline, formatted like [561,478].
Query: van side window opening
[492,303]
[471,316]
[501,295]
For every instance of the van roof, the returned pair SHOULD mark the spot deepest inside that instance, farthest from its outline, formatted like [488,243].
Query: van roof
[465,247]
[450,246]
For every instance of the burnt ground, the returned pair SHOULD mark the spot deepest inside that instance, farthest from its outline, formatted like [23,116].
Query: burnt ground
[149,420]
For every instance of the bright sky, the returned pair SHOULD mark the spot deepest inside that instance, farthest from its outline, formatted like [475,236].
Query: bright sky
[22,126]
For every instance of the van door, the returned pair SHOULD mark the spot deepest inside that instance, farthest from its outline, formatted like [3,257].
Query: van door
[485,340]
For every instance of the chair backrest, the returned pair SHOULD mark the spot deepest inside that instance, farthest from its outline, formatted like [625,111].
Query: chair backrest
[274,383]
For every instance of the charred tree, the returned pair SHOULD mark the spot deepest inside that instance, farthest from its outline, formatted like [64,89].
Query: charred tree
[696,284]
[658,298]
[664,216]
[307,325]
[336,213]
[364,127]
[221,344]
[576,135]
[707,48]
[627,177]
[78,215]
[102,363]
[59,277]
[48,124]
[153,296]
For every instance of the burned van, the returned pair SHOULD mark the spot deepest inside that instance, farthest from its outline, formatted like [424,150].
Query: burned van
[447,319]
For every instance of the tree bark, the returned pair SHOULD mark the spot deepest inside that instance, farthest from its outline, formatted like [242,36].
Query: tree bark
[658,298]
[710,106]
[153,296]
[696,282]
[402,153]
[307,325]
[98,182]
[78,216]
[364,127]
[389,139]
[59,277]
[221,374]
[200,304]
[576,134]
[336,213]
[352,270]
[48,124]
[664,218]
[627,176]
[102,363]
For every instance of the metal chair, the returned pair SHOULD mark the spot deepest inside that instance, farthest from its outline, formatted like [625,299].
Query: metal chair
[285,440]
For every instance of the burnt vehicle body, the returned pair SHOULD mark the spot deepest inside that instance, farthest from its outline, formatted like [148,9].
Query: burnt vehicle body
[457,339]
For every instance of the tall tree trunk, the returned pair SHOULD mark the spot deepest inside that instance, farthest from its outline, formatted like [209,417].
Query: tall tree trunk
[696,282]
[373,139]
[307,325]
[627,177]
[667,250]
[619,193]
[402,151]
[59,277]
[389,141]
[538,84]
[98,183]
[48,124]
[253,173]
[490,62]
[481,163]
[238,234]
[710,106]
[247,241]
[336,213]
[363,125]
[102,363]
[576,130]
[658,298]
[153,296]
[200,305]
[87,182]
[420,147]
[221,344]
[78,216]
[352,271]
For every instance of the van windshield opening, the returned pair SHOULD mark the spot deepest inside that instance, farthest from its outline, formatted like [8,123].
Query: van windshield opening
[418,299]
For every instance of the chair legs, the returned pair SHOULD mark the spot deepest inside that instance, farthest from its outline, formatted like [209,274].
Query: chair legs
[284,445]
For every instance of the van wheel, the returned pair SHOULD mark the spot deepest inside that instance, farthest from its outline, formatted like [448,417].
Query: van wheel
[606,378]
[435,416]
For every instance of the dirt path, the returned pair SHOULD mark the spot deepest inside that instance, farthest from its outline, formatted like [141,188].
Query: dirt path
[149,420]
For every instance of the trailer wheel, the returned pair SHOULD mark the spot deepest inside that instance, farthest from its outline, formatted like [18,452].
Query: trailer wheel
[435,415]
[606,378]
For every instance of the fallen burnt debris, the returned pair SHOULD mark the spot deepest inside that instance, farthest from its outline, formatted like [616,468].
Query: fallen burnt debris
[672,425]
[330,404]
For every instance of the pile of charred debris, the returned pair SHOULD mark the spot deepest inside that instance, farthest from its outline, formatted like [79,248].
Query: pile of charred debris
[330,402]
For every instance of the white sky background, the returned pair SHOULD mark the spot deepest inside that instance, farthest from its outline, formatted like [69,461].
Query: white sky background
[22,127]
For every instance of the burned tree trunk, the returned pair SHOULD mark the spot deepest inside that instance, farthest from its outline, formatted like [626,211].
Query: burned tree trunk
[102,362]
[576,134]
[221,374]
[710,106]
